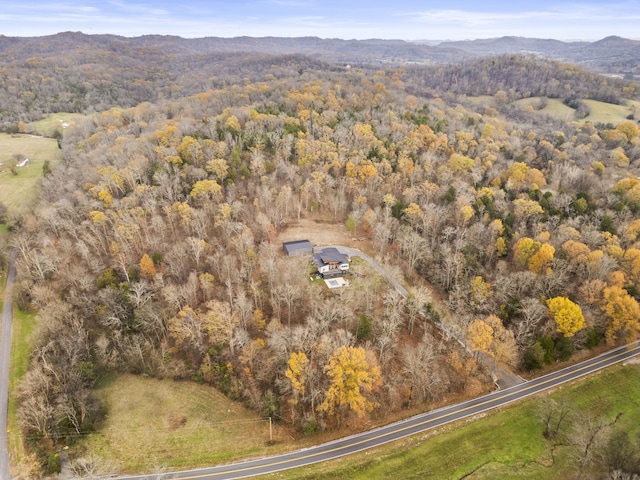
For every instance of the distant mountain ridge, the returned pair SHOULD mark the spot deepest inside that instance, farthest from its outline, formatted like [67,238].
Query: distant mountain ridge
[610,55]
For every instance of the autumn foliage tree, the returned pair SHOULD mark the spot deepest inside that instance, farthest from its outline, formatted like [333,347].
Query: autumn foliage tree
[147,267]
[622,313]
[567,316]
[495,208]
[297,375]
[353,374]
[489,336]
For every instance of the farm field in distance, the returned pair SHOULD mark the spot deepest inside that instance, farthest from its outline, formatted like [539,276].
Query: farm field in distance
[601,112]
[55,122]
[491,208]
[18,191]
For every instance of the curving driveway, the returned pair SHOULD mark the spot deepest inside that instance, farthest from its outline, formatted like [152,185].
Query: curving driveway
[503,378]
[344,446]
[354,252]
[5,358]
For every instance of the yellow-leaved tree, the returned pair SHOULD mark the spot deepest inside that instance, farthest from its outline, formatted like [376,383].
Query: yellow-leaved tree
[567,315]
[480,336]
[489,336]
[206,190]
[540,262]
[147,267]
[352,374]
[622,312]
[524,249]
[297,371]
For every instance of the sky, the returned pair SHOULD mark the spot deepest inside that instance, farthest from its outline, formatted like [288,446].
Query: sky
[346,19]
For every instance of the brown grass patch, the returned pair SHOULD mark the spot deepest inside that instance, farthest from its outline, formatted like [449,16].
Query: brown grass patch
[151,424]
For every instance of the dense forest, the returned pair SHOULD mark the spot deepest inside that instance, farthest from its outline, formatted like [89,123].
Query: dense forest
[74,72]
[153,247]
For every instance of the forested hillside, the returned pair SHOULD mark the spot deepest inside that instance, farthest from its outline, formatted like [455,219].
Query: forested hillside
[522,77]
[153,248]
[74,72]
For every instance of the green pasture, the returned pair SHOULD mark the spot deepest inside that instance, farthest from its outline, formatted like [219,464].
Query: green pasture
[601,112]
[506,444]
[608,113]
[55,122]
[156,424]
[18,192]
[22,330]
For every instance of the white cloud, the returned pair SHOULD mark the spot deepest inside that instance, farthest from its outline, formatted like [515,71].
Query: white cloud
[142,9]
[461,17]
[561,22]
[313,18]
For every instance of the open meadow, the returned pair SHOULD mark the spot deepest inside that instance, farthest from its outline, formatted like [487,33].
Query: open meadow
[22,330]
[54,122]
[600,112]
[609,113]
[161,424]
[18,191]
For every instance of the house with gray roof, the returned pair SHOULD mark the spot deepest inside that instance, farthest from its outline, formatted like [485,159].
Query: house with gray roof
[329,263]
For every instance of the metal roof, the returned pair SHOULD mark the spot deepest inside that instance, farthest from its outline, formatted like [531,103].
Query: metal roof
[332,255]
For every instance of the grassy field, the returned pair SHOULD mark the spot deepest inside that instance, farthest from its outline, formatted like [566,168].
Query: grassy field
[600,112]
[18,192]
[608,113]
[154,424]
[21,340]
[507,444]
[47,126]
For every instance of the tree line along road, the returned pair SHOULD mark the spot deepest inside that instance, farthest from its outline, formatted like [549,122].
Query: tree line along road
[337,448]
[411,426]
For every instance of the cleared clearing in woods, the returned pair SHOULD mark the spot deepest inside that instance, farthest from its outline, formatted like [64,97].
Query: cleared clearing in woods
[601,112]
[18,192]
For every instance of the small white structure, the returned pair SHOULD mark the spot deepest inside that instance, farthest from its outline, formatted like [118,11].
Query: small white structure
[337,282]
[23,163]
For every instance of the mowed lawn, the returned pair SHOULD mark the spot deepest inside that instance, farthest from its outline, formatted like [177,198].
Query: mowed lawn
[18,192]
[507,444]
[156,424]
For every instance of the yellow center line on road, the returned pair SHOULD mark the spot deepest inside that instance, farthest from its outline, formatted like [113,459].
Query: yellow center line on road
[534,385]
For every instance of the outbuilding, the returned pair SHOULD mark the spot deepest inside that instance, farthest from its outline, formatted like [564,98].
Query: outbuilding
[297,247]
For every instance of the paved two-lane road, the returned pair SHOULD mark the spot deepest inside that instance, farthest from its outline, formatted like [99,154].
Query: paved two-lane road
[404,428]
[338,448]
[5,358]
